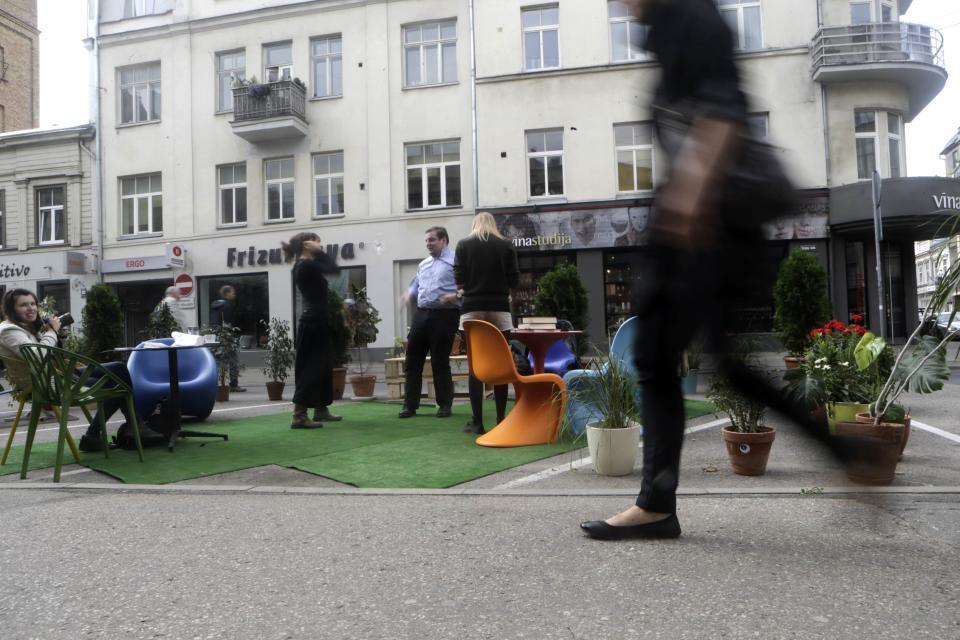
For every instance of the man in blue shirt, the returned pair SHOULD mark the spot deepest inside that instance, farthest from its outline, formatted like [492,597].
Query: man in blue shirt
[434,324]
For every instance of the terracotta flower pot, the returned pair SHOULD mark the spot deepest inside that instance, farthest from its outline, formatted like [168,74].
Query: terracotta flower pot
[223,393]
[748,452]
[792,362]
[339,382]
[363,385]
[275,390]
[865,417]
[874,461]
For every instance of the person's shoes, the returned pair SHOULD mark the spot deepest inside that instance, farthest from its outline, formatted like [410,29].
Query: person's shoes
[324,415]
[444,412]
[90,444]
[661,529]
[301,421]
[234,389]
[474,427]
[407,412]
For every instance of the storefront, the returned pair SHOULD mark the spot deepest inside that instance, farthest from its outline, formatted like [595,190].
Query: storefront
[61,276]
[912,209]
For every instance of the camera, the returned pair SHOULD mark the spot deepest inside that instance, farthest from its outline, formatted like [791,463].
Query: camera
[65,320]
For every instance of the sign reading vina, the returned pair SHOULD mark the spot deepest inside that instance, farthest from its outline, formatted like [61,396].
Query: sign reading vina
[943,201]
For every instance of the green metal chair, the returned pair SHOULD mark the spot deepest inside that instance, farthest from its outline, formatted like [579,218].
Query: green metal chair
[22,396]
[58,380]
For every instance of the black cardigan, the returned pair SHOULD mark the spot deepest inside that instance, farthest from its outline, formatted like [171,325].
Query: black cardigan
[486,271]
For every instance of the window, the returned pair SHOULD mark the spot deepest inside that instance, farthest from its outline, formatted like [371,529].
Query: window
[134,8]
[865,127]
[430,53]
[232,184]
[279,187]
[325,58]
[955,169]
[277,62]
[626,33]
[231,67]
[743,18]
[888,11]
[141,204]
[758,124]
[433,175]
[634,148]
[861,12]
[893,144]
[545,159]
[328,183]
[140,93]
[541,38]
[51,221]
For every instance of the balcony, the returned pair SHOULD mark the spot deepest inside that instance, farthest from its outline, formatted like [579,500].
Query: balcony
[908,54]
[268,112]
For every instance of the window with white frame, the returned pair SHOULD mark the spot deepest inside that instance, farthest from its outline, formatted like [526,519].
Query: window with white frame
[541,38]
[141,204]
[135,8]
[545,162]
[627,35]
[865,132]
[277,62]
[51,219]
[328,183]
[140,93]
[635,159]
[894,146]
[326,61]
[433,175]
[861,12]
[888,11]
[231,67]
[278,174]
[232,187]
[430,53]
[744,19]
[758,125]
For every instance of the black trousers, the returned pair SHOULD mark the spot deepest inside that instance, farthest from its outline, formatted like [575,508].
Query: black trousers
[432,331]
[679,294]
[110,406]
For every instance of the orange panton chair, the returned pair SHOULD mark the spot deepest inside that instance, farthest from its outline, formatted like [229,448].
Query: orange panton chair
[541,398]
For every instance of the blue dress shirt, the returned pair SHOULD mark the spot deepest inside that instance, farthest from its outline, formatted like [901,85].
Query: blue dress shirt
[434,280]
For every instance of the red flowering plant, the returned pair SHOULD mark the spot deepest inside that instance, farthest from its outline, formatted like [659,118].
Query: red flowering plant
[831,371]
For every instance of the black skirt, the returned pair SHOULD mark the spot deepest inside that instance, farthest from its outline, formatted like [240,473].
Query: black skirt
[314,364]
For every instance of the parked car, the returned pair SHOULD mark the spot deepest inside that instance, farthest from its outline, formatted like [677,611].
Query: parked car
[940,325]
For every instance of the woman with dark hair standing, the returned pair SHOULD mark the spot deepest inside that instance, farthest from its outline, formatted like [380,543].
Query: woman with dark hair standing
[314,361]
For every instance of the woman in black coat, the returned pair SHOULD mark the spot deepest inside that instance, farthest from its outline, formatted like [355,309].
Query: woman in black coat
[313,367]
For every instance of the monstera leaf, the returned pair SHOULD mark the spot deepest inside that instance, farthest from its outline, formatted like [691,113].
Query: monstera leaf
[925,374]
[868,350]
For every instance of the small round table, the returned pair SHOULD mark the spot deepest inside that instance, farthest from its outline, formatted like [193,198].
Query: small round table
[539,341]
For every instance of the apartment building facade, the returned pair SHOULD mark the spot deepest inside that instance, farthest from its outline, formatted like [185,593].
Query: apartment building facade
[19,65]
[47,226]
[227,127]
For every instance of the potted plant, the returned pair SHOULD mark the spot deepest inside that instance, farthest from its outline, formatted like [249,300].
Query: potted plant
[800,303]
[561,294]
[103,312]
[340,339]
[362,318]
[747,439]
[279,357]
[224,351]
[608,392]
[162,323]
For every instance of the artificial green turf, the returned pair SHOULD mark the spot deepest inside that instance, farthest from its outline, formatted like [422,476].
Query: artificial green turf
[371,447]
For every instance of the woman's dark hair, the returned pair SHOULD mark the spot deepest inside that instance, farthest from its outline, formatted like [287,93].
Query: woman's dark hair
[293,248]
[10,302]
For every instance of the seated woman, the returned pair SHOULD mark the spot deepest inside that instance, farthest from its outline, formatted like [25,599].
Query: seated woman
[22,325]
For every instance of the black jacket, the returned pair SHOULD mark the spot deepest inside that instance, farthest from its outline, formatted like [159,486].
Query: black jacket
[486,270]
[222,312]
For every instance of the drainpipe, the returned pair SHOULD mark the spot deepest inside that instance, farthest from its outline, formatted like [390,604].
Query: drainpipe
[473,107]
[97,163]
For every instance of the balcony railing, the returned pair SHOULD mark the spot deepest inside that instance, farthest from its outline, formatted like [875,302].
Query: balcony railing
[884,42]
[270,100]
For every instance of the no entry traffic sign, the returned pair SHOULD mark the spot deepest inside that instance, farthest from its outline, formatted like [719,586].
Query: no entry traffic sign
[184,284]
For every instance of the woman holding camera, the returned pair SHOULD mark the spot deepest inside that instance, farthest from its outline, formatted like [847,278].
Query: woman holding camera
[22,325]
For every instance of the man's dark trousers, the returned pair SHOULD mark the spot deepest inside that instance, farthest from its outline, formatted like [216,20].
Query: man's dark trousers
[431,331]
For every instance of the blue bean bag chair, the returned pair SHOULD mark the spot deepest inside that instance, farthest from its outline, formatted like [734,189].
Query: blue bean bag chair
[579,411]
[150,373]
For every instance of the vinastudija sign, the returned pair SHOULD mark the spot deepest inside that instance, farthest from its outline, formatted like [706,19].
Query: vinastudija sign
[943,201]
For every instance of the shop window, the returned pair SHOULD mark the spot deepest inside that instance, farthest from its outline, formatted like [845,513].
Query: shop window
[58,292]
[532,268]
[856,279]
[251,306]
[341,283]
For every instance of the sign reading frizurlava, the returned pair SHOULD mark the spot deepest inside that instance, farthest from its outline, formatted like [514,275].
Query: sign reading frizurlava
[254,257]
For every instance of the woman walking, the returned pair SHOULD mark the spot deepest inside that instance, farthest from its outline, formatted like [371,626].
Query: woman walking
[485,267]
[314,360]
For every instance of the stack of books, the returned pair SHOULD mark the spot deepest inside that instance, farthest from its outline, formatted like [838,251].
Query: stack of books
[538,323]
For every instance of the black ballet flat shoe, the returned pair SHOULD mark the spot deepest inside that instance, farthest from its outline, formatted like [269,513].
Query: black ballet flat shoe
[662,529]
[406,412]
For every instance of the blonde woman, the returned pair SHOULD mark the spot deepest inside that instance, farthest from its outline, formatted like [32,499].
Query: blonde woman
[485,267]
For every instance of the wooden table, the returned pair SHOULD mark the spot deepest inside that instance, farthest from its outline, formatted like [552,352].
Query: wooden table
[174,373]
[539,341]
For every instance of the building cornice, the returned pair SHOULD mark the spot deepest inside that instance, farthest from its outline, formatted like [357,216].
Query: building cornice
[45,136]
[20,23]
